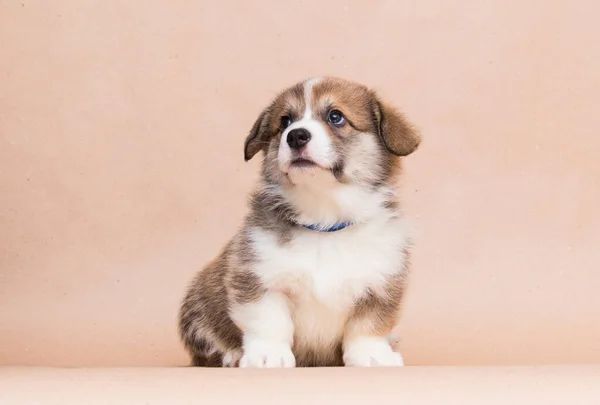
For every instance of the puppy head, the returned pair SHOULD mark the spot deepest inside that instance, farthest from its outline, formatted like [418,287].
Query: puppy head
[331,126]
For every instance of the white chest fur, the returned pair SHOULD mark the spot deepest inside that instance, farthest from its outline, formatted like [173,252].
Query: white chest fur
[323,274]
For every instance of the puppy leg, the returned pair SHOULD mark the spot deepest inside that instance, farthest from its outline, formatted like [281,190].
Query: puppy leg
[365,342]
[268,331]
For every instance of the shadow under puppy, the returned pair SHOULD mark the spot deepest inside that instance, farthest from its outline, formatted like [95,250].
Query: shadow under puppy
[316,274]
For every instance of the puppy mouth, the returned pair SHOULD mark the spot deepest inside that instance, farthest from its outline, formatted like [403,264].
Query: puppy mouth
[303,163]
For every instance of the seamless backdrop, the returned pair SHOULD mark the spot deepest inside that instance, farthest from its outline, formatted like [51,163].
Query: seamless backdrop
[122,173]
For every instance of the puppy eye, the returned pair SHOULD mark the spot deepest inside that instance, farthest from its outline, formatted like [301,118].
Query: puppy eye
[336,118]
[286,121]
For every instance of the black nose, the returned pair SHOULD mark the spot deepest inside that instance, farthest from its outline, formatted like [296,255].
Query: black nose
[298,137]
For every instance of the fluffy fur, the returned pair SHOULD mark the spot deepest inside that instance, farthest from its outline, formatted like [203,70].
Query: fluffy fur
[282,295]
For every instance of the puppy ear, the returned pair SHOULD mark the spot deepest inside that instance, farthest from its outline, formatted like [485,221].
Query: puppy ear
[259,135]
[396,134]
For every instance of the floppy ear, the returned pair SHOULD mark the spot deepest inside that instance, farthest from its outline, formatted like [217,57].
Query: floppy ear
[259,135]
[396,134]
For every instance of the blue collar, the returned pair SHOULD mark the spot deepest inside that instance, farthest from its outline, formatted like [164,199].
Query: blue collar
[334,228]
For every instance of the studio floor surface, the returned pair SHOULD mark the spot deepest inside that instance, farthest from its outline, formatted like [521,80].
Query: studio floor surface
[410,385]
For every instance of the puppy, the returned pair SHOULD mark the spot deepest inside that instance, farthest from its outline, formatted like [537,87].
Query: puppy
[316,274]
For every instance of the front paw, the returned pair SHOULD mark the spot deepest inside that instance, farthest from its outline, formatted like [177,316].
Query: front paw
[259,354]
[371,352]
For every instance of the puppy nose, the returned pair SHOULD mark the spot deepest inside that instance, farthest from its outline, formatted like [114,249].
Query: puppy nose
[298,137]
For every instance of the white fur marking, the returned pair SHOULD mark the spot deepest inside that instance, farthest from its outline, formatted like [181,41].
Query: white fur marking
[319,149]
[324,274]
[308,86]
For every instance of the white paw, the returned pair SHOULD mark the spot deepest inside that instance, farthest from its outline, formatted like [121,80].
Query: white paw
[259,354]
[371,352]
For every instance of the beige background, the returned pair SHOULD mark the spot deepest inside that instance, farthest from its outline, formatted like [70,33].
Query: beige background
[121,170]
